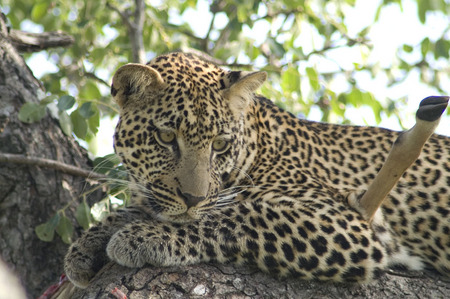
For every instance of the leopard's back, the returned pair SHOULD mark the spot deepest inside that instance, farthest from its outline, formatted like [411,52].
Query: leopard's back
[342,159]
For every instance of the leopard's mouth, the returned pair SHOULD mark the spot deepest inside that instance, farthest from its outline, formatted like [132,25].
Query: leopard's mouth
[185,216]
[182,218]
[173,210]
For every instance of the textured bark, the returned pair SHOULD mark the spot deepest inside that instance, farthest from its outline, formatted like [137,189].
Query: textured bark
[30,195]
[219,281]
[35,42]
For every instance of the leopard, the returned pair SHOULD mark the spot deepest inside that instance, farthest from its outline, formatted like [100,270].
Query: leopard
[220,174]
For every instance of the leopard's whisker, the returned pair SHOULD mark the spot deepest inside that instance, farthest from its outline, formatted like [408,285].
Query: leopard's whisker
[233,189]
[224,202]
[243,187]
[245,174]
[132,185]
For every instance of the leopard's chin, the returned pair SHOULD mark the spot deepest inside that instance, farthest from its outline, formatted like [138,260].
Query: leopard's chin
[185,217]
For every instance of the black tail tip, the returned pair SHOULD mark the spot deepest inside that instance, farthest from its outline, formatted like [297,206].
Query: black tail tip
[431,108]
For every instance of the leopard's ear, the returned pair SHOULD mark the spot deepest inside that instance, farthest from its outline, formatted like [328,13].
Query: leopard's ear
[135,83]
[240,93]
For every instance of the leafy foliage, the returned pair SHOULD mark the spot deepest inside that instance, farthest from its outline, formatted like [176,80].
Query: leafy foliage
[270,34]
[290,39]
[85,215]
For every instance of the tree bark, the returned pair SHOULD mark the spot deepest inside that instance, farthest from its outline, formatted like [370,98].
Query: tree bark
[31,195]
[35,42]
[220,281]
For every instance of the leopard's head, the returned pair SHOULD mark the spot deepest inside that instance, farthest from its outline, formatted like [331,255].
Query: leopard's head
[181,132]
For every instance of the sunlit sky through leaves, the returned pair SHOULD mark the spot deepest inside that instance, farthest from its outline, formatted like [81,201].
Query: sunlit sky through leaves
[396,26]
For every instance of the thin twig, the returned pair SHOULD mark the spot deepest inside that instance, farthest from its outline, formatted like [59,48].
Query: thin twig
[188,33]
[124,16]
[47,163]
[135,28]
[272,14]
[94,77]
[205,41]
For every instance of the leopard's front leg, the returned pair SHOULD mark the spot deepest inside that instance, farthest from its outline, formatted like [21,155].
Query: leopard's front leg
[161,244]
[87,255]
[284,237]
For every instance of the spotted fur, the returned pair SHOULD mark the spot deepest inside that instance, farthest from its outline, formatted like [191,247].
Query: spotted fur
[222,175]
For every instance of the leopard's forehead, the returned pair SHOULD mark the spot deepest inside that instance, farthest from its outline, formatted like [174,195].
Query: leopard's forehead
[191,102]
[188,73]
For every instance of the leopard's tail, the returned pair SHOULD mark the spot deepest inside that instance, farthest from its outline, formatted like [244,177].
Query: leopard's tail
[405,151]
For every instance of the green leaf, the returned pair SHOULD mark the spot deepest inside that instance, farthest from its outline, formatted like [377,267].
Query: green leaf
[422,7]
[338,107]
[39,11]
[94,123]
[242,13]
[102,165]
[441,48]
[355,97]
[66,102]
[369,100]
[82,23]
[65,123]
[118,176]
[378,12]
[313,78]
[275,47]
[364,31]
[90,91]
[290,80]
[65,229]
[106,164]
[31,112]
[87,110]
[83,215]
[46,231]
[407,48]
[97,55]
[47,100]
[90,33]
[113,158]
[79,123]
[425,46]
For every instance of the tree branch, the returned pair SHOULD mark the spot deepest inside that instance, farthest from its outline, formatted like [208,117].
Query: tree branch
[5,41]
[35,42]
[228,281]
[135,29]
[123,15]
[137,32]
[205,41]
[94,77]
[273,14]
[47,163]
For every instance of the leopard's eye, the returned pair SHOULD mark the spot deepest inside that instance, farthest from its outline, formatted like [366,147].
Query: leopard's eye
[220,145]
[165,137]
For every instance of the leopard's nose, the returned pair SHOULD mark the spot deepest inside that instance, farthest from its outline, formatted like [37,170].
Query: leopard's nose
[189,199]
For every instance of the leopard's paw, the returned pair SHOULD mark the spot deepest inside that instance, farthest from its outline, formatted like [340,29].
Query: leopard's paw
[86,256]
[128,248]
[80,265]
